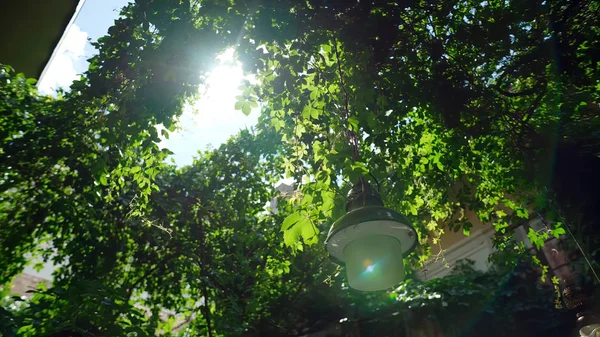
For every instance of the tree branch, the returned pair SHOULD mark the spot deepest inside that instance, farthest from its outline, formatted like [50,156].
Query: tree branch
[148,274]
[351,134]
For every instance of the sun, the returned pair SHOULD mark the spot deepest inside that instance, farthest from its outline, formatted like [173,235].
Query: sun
[212,119]
[223,81]
[217,95]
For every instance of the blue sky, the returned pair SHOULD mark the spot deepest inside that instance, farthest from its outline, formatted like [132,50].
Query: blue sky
[209,122]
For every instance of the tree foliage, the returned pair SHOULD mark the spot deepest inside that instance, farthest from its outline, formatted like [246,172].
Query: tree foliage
[447,107]
[456,106]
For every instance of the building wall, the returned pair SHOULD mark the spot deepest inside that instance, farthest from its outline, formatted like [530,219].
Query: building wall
[26,282]
[477,247]
[454,246]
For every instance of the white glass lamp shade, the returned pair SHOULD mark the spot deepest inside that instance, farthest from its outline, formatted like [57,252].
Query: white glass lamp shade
[592,330]
[370,240]
[374,262]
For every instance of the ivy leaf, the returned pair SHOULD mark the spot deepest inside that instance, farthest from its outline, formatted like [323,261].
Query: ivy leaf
[314,113]
[298,225]
[291,235]
[326,48]
[535,238]
[317,151]
[328,204]
[300,129]
[466,228]
[307,199]
[310,233]
[246,108]
[558,231]
[306,112]
[522,213]
[353,123]
[413,209]
[324,178]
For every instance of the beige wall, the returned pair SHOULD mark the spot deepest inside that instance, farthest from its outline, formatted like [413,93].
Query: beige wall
[451,238]
[26,282]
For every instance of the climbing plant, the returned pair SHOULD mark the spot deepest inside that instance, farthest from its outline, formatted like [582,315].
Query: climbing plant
[448,108]
[454,107]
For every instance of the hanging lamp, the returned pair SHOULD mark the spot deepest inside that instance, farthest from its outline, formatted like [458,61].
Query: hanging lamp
[370,240]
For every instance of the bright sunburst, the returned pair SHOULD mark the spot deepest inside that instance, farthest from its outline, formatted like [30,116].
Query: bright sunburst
[212,119]
[218,93]
[223,82]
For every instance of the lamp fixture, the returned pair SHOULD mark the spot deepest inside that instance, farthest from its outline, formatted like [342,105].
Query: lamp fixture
[370,240]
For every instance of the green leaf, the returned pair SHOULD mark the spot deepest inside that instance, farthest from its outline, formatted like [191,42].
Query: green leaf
[314,113]
[535,238]
[290,221]
[522,213]
[300,129]
[466,228]
[238,105]
[306,111]
[246,108]
[353,123]
[324,178]
[413,210]
[307,199]
[317,150]
[310,233]
[292,229]
[328,204]
[419,201]
[558,231]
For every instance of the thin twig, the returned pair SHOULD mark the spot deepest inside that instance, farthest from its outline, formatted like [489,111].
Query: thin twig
[589,263]
[351,134]
[343,87]
[583,253]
